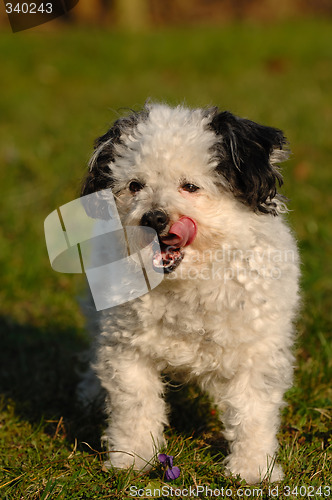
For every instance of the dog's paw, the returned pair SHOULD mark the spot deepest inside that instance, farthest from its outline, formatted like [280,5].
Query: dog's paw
[124,460]
[253,472]
[276,474]
[119,460]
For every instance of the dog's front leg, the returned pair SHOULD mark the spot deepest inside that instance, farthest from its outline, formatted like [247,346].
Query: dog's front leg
[251,420]
[136,408]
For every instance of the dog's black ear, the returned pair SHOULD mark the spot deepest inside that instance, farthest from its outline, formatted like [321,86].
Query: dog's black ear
[246,154]
[100,174]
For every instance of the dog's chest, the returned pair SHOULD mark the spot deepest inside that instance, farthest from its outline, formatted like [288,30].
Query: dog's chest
[178,334]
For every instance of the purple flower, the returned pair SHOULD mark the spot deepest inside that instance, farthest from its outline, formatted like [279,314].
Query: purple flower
[166,460]
[171,472]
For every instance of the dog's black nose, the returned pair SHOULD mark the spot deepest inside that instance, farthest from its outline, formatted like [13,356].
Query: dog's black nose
[157,219]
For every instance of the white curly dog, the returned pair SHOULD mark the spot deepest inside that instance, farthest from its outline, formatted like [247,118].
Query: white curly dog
[206,182]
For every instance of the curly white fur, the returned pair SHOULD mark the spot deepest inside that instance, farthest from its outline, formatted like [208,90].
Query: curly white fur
[222,318]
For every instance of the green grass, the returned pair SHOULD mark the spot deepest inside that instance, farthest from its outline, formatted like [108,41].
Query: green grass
[60,90]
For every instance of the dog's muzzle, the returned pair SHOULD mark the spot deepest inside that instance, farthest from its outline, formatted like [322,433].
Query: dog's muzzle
[169,253]
[165,257]
[157,219]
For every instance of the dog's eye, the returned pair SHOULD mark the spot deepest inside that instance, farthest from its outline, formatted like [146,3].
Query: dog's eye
[190,188]
[135,186]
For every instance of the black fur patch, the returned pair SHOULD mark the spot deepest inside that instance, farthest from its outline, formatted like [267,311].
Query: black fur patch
[100,174]
[243,153]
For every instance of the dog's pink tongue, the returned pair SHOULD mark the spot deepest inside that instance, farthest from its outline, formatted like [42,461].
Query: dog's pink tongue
[181,233]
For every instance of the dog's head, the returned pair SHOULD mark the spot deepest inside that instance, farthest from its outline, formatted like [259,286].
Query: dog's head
[189,174]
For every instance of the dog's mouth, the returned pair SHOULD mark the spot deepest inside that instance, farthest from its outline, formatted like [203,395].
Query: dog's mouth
[167,258]
[170,252]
